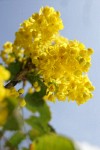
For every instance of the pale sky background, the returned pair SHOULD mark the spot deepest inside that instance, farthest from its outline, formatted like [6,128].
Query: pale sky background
[81,19]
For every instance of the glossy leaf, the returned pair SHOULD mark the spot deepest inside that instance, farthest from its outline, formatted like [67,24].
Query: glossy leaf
[53,142]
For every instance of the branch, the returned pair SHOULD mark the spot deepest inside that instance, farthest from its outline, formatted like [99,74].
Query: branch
[21,75]
[17,78]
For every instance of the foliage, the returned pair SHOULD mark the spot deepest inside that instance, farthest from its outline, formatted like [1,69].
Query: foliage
[54,67]
[53,141]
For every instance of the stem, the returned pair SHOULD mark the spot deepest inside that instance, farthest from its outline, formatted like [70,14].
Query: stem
[21,75]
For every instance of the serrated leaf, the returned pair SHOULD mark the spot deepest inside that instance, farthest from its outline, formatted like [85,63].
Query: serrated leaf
[41,115]
[34,104]
[16,139]
[37,124]
[53,142]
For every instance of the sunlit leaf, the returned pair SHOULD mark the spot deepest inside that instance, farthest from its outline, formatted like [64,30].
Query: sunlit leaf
[34,133]
[53,142]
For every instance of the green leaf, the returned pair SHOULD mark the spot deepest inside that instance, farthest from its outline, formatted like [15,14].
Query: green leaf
[37,105]
[37,124]
[14,68]
[14,120]
[41,115]
[16,139]
[34,133]
[25,148]
[53,142]
[11,124]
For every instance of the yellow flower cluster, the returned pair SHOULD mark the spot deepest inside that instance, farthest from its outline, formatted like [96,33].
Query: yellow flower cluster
[34,35]
[61,63]
[64,69]
[4,75]
[7,53]
[4,92]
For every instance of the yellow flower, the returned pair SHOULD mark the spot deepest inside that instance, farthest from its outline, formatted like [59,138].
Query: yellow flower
[21,91]
[61,63]
[31,90]
[13,92]
[38,89]
[22,102]
[4,75]
[7,53]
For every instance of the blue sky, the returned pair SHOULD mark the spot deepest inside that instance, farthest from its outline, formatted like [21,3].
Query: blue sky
[81,19]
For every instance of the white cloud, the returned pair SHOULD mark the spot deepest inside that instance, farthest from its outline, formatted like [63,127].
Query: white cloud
[86,146]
